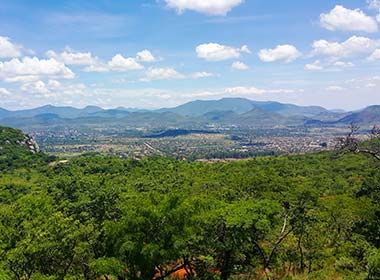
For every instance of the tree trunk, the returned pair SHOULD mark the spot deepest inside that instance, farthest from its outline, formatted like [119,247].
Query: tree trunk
[302,262]
[225,270]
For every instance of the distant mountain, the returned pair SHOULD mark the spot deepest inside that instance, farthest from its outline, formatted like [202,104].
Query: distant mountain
[369,116]
[258,117]
[63,112]
[289,109]
[240,106]
[194,115]
[219,116]
[111,113]
[41,120]
[200,107]
[3,113]
[330,116]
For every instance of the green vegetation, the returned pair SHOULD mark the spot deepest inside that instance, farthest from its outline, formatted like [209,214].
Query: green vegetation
[18,150]
[313,216]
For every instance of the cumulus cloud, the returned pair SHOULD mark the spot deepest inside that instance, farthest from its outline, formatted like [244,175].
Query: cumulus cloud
[351,47]
[286,53]
[71,57]
[217,52]
[145,56]
[209,7]
[9,49]
[154,74]
[344,19]
[375,56]
[238,65]
[32,69]
[120,63]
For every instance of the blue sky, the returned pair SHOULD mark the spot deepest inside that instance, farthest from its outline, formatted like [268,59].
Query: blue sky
[151,54]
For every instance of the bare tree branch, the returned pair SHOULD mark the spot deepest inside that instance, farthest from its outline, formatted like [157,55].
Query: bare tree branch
[350,143]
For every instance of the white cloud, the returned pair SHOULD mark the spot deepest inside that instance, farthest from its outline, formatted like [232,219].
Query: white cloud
[32,69]
[378,18]
[245,49]
[154,74]
[331,65]
[351,47]
[53,88]
[256,91]
[343,64]
[162,74]
[145,56]
[8,49]
[287,53]
[76,89]
[315,66]
[54,84]
[344,19]
[209,7]
[99,68]
[217,52]
[238,65]
[4,91]
[198,75]
[335,88]
[37,88]
[71,57]
[120,63]
[371,85]
[375,55]
[373,4]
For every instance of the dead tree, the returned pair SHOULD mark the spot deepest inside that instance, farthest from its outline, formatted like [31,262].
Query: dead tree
[351,144]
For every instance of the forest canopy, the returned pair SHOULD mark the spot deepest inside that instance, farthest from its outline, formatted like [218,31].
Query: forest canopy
[314,216]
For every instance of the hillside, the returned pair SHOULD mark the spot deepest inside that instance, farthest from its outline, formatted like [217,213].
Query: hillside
[201,107]
[14,139]
[242,105]
[63,112]
[368,116]
[308,217]
[258,117]
[18,149]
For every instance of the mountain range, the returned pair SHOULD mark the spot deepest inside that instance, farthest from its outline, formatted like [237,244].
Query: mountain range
[227,111]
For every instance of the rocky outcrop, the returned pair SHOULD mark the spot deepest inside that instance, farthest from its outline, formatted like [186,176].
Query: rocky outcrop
[13,137]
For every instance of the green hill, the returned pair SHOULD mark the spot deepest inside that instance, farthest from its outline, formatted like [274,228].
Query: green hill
[309,217]
[18,149]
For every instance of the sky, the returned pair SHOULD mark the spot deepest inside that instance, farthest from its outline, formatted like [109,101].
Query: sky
[162,53]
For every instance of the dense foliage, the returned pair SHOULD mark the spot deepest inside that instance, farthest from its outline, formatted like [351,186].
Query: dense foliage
[287,217]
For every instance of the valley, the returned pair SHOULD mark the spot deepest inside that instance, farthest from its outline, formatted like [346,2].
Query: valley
[225,128]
